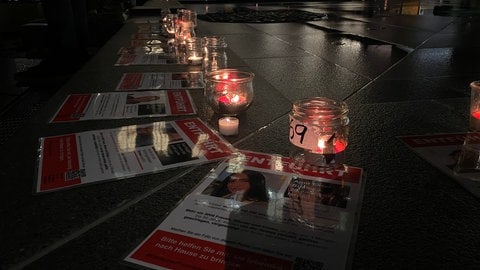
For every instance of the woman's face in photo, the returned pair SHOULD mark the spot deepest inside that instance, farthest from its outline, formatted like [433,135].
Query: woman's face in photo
[238,182]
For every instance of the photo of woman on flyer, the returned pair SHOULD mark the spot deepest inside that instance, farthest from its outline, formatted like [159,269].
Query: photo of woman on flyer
[244,186]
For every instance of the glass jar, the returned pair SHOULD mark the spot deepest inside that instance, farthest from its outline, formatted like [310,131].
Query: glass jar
[229,91]
[188,15]
[474,106]
[214,53]
[183,31]
[318,132]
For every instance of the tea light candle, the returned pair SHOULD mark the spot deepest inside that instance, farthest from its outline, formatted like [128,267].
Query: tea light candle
[195,60]
[228,125]
[232,104]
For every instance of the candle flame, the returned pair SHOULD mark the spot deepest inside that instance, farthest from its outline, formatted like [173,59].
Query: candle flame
[235,98]
[321,144]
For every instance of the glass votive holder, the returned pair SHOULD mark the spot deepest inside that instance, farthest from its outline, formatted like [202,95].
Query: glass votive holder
[318,132]
[194,52]
[183,31]
[188,15]
[229,91]
[474,106]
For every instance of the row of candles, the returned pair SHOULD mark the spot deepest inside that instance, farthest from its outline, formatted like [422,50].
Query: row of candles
[228,91]
[207,50]
[318,126]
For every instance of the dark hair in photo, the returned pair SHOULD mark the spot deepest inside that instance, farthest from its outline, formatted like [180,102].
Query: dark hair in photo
[256,192]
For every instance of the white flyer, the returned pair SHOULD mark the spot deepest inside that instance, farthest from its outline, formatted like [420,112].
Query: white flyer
[254,212]
[75,159]
[116,105]
[161,80]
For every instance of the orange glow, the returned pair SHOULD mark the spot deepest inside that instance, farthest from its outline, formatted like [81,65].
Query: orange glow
[226,99]
[476,114]
[338,146]
[225,76]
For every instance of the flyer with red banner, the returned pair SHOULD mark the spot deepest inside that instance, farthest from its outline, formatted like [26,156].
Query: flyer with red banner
[161,80]
[255,212]
[147,42]
[83,158]
[455,154]
[151,27]
[152,49]
[115,105]
[152,34]
[147,59]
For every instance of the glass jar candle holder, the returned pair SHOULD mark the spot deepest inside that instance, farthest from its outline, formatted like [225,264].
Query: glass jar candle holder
[214,53]
[183,31]
[229,91]
[188,15]
[318,132]
[475,106]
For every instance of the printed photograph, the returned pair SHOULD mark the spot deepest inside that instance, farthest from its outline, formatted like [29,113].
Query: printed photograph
[246,186]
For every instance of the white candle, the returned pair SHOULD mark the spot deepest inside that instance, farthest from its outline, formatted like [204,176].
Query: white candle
[228,125]
[195,60]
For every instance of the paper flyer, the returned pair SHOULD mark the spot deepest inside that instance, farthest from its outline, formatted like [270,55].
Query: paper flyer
[92,156]
[161,80]
[148,59]
[254,212]
[116,105]
[151,28]
[455,154]
[147,42]
[146,50]
[149,35]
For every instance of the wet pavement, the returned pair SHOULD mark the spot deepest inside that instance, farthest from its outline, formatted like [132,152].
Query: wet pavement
[400,75]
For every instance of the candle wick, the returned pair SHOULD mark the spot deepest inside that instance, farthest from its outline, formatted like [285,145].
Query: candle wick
[330,140]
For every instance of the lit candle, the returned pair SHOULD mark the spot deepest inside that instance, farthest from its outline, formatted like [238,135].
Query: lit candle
[195,60]
[475,106]
[231,103]
[321,146]
[228,125]
[229,91]
[327,152]
[330,146]
[475,121]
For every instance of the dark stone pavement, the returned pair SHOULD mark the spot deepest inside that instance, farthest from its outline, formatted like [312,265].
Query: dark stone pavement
[400,74]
